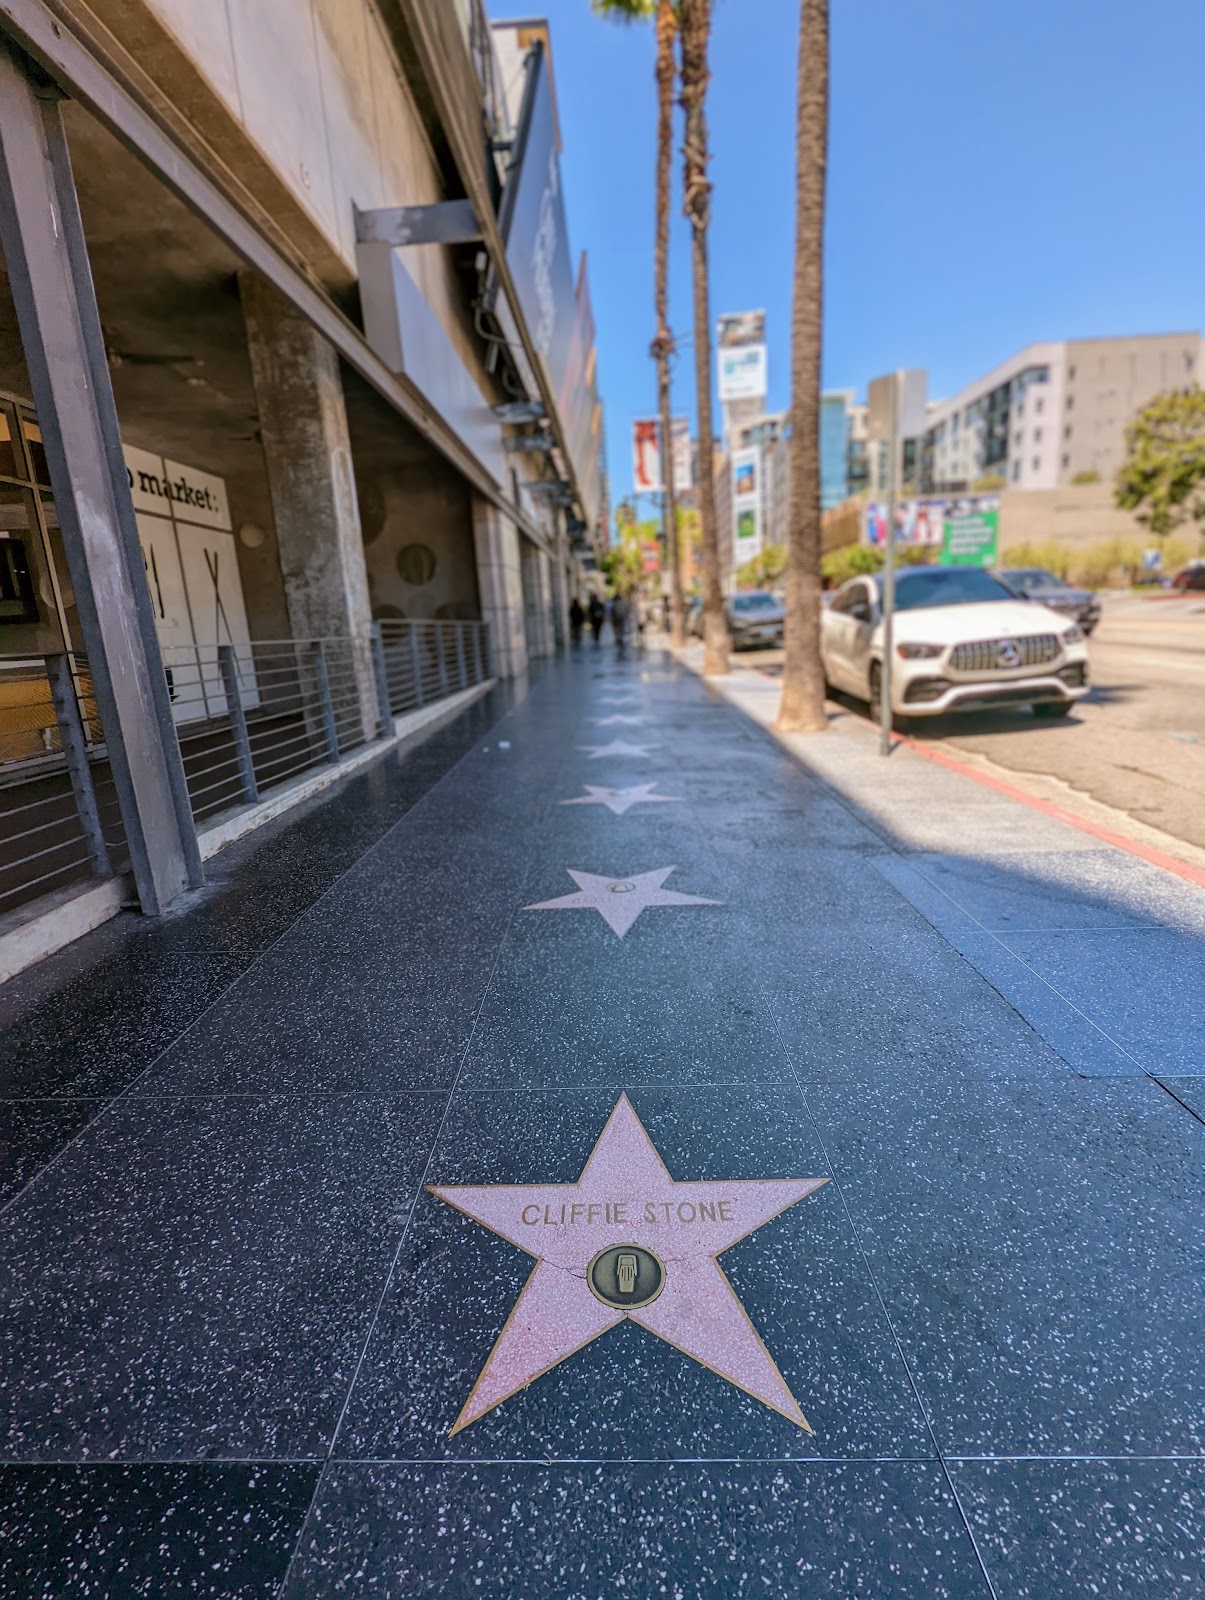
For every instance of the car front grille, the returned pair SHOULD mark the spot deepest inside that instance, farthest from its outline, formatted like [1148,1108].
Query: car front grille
[1002,655]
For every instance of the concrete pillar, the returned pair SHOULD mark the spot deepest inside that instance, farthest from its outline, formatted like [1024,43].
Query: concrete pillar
[303,426]
[536,601]
[560,590]
[500,583]
[548,639]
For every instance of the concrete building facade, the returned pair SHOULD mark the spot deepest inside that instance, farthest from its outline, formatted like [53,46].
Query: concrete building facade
[299,415]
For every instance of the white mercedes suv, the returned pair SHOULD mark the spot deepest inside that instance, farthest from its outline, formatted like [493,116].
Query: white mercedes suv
[962,642]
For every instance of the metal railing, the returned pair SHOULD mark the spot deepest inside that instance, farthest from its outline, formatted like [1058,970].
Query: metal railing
[424,661]
[252,718]
[249,719]
[60,822]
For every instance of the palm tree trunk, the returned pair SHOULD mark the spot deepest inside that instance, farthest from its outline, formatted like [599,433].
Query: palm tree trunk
[802,705]
[694,22]
[663,343]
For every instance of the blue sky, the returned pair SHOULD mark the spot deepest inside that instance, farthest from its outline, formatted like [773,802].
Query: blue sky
[998,175]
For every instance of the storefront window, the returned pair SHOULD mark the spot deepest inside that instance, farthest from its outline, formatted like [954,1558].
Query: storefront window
[32,615]
[37,451]
[8,446]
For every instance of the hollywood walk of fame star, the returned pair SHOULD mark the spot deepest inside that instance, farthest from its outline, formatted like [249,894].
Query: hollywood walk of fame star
[666,1237]
[621,800]
[618,716]
[619,901]
[617,747]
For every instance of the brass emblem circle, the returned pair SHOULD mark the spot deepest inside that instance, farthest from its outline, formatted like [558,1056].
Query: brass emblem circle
[626,1276]
[620,888]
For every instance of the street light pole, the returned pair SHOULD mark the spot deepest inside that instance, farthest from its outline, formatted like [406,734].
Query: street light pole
[889,577]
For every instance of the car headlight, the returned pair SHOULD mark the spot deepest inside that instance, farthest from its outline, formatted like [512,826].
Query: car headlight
[918,652]
[1073,635]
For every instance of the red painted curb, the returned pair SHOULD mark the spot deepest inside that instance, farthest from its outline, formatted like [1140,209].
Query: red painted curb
[1144,852]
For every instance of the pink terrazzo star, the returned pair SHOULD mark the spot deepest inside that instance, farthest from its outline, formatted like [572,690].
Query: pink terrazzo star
[625,1198]
[619,901]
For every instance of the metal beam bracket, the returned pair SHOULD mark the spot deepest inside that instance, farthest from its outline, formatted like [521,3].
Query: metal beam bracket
[448,222]
[529,443]
[515,412]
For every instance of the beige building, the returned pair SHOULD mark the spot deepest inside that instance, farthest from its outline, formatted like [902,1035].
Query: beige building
[1105,382]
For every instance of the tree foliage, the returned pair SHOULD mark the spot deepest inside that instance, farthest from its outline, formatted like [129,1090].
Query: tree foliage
[1163,479]
[623,564]
[858,560]
[625,10]
[765,570]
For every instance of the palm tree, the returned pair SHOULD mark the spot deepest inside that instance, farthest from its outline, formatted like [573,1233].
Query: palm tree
[802,705]
[662,347]
[663,339]
[694,26]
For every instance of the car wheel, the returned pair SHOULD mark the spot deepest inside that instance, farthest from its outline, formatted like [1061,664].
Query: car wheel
[875,698]
[1052,708]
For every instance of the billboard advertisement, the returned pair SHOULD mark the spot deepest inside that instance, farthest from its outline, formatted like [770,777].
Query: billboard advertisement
[578,400]
[743,372]
[746,505]
[741,337]
[533,226]
[972,534]
[554,300]
[741,327]
[966,528]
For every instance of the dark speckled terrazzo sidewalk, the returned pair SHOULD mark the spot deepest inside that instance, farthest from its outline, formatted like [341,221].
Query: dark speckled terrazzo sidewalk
[238,1329]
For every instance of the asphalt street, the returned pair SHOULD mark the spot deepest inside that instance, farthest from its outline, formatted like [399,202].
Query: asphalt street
[1136,743]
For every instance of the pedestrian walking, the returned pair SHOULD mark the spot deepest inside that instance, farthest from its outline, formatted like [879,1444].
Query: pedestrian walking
[620,611]
[577,618]
[596,612]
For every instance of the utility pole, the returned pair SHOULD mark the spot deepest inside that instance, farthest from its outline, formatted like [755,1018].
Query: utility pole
[889,575]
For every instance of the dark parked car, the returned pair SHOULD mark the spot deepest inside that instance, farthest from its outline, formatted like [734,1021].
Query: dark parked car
[1190,577]
[1035,583]
[755,617]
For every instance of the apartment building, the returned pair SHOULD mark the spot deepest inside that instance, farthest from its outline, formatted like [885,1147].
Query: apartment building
[1052,413]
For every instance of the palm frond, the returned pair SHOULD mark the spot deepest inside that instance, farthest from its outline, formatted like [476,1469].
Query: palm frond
[625,10]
